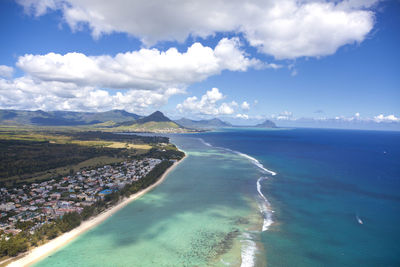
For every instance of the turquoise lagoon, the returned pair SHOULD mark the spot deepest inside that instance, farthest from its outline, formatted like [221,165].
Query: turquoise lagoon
[206,213]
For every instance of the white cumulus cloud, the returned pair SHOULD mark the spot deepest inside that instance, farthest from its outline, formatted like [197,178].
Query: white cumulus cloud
[32,94]
[388,118]
[6,71]
[285,115]
[207,104]
[245,105]
[149,69]
[134,80]
[242,116]
[281,28]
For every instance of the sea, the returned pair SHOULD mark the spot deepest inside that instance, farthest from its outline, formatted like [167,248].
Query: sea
[260,197]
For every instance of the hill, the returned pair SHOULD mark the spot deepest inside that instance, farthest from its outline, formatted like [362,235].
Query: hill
[157,116]
[63,118]
[217,123]
[155,122]
[266,124]
[203,124]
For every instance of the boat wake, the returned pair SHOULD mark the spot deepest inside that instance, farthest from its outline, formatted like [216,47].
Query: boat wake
[359,219]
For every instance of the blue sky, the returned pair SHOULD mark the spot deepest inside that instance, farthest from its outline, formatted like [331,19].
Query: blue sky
[310,60]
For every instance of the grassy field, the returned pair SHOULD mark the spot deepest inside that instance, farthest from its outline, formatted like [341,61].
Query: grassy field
[65,170]
[28,155]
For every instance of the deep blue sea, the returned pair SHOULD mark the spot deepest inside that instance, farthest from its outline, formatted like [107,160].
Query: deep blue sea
[336,195]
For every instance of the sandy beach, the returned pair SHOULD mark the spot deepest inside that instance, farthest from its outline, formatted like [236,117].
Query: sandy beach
[40,252]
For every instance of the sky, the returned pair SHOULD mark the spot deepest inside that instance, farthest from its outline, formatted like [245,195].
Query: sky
[243,61]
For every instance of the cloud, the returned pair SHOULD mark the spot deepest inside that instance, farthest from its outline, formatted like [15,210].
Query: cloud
[135,81]
[242,116]
[245,105]
[148,69]
[38,7]
[6,71]
[285,29]
[31,94]
[285,115]
[207,104]
[389,118]
[355,119]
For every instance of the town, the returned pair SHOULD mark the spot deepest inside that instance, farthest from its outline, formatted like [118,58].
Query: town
[39,203]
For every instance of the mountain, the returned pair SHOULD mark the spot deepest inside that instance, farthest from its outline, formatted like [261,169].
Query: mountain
[217,123]
[203,124]
[266,124]
[157,116]
[63,118]
[155,122]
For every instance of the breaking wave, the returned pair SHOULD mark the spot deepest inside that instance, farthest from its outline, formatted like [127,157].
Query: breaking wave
[263,203]
[249,247]
[248,250]
[264,206]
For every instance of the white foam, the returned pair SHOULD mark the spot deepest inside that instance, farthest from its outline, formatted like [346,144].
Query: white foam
[256,162]
[264,206]
[204,142]
[248,251]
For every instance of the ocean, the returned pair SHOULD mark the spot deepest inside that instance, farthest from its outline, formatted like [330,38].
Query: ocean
[252,197]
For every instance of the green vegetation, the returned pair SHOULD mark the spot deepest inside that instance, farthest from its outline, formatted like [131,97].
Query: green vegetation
[33,154]
[27,156]
[153,126]
[18,158]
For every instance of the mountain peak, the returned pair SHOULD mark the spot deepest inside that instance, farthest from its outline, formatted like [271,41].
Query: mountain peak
[155,116]
[266,124]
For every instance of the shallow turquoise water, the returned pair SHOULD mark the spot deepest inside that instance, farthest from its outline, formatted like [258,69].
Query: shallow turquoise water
[196,217]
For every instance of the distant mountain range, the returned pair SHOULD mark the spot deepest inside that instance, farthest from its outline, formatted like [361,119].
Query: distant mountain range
[63,118]
[114,120]
[203,124]
[217,123]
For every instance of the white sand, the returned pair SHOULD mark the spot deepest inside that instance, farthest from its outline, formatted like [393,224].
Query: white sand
[42,251]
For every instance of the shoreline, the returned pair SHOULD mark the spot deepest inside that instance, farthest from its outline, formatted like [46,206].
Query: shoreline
[44,250]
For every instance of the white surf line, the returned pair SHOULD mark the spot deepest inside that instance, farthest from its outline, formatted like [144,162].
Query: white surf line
[256,162]
[252,159]
[248,251]
[264,206]
[205,143]
[249,247]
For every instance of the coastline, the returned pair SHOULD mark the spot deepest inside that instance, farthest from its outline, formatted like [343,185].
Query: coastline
[42,251]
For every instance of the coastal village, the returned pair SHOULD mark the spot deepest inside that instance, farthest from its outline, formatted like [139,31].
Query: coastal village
[40,203]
